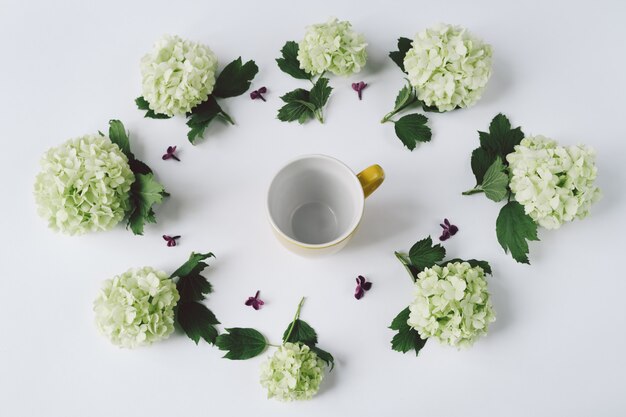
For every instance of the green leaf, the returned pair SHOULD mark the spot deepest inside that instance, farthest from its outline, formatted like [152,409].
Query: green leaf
[481,161]
[191,285]
[412,129]
[501,139]
[202,115]
[405,97]
[241,343]
[406,338]
[404,259]
[144,193]
[320,93]
[289,62]
[195,260]
[197,321]
[301,332]
[325,356]
[473,262]
[424,255]
[496,181]
[298,107]
[118,135]
[235,79]
[404,44]
[514,228]
[142,104]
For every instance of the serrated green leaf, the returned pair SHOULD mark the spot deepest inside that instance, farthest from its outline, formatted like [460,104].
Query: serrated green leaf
[202,115]
[406,338]
[513,229]
[241,343]
[481,161]
[195,260]
[289,62]
[235,79]
[118,135]
[142,104]
[144,193]
[320,93]
[404,44]
[301,332]
[191,285]
[412,129]
[424,255]
[197,321]
[295,111]
[325,356]
[473,262]
[496,181]
[501,139]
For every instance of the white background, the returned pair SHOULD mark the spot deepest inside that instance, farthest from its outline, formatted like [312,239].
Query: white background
[557,347]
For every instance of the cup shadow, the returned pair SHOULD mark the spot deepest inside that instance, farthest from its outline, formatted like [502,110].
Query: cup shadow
[382,220]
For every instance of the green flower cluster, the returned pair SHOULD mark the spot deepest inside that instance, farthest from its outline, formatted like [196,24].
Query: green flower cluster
[294,372]
[177,75]
[84,185]
[555,184]
[332,46]
[451,304]
[137,307]
[448,67]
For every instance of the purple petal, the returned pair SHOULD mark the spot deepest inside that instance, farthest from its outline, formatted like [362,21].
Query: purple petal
[367,286]
[166,237]
[444,236]
[360,280]
[260,302]
[166,156]
[255,305]
[443,226]
[171,149]
[453,229]
[249,301]
[358,293]
[355,86]
[262,90]
[447,222]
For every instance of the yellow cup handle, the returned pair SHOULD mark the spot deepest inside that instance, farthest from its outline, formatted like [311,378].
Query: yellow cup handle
[370,178]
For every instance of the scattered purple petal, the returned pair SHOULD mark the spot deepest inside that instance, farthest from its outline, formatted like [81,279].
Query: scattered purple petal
[362,285]
[255,301]
[359,87]
[171,240]
[449,230]
[170,154]
[258,93]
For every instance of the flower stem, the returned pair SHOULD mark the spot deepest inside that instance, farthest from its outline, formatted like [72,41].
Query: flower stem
[319,116]
[475,190]
[225,116]
[296,317]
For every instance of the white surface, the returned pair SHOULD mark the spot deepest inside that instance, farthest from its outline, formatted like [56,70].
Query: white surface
[558,345]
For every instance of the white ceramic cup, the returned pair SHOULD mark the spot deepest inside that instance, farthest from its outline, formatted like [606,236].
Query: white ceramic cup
[315,203]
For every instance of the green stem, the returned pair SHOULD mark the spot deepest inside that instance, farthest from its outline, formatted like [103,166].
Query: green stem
[296,317]
[475,190]
[406,262]
[319,116]
[225,116]
[395,111]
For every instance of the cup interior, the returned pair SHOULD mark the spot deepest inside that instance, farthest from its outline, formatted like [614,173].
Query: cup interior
[315,200]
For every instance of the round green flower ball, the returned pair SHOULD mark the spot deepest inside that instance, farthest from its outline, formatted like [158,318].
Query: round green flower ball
[137,307]
[334,47]
[451,304]
[555,184]
[177,75]
[448,67]
[83,185]
[294,372]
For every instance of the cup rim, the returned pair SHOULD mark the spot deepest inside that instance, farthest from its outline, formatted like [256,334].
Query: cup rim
[349,231]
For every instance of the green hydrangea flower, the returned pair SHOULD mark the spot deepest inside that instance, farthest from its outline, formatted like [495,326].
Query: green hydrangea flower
[137,307]
[451,304]
[332,46]
[448,67]
[84,185]
[294,372]
[177,75]
[554,184]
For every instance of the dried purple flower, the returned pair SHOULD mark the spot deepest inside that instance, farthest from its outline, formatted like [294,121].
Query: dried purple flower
[359,87]
[362,285]
[449,230]
[171,240]
[171,153]
[255,301]
[258,93]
